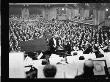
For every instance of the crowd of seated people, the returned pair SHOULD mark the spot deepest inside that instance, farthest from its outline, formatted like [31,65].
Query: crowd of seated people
[70,36]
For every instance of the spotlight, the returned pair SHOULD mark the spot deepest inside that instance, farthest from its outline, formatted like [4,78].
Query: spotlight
[62,8]
[106,9]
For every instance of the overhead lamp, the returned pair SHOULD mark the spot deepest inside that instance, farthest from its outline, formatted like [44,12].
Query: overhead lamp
[87,4]
[62,8]
[106,9]
[75,4]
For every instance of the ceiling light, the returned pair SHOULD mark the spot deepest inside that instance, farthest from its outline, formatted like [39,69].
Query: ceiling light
[62,8]
[106,9]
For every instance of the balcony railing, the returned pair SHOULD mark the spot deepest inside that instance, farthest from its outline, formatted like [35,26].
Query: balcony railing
[105,23]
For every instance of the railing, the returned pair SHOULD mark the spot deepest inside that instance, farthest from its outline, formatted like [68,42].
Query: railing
[105,23]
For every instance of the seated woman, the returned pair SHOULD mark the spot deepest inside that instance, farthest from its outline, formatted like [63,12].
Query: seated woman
[49,71]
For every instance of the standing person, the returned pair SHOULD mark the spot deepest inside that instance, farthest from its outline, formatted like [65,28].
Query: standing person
[68,48]
[56,41]
[52,45]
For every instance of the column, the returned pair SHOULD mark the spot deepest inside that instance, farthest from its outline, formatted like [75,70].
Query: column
[95,12]
[101,16]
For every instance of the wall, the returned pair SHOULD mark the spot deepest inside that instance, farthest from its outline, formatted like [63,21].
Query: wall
[86,13]
[50,13]
[15,10]
[82,12]
[101,16]
[74,12]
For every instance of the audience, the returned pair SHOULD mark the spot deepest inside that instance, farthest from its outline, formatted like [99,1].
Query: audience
[73,36]
[69,36]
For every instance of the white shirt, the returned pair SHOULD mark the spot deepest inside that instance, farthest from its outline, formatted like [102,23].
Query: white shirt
[54,42]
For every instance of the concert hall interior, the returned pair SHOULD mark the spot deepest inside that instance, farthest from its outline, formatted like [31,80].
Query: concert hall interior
[59,40]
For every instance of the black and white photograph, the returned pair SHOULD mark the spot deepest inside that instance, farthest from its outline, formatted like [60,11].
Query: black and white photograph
[59,40]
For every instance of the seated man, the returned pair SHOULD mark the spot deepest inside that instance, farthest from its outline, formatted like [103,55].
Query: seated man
[49,71]
[88,49]
[88,70]
[32,73]
[97,52]
[106,47]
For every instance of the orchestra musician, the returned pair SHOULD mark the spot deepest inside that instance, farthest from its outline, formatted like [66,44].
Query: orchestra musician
[52,44]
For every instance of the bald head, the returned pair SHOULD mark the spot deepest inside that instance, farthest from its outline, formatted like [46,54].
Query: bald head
[49,71]
[89,63]
[88,68]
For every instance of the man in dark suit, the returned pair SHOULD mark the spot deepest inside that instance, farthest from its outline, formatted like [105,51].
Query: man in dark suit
[68,48]
[57,42]
[88,70]
[88,49]
[97,52]
[52,45]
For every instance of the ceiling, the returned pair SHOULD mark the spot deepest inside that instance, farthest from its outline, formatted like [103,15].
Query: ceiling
[71,5]
[16,8]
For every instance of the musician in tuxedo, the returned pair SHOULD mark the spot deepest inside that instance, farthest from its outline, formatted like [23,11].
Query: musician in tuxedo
[52,44]
[57,42]
[67,47]
[106,47]
[97,52]
[88,49]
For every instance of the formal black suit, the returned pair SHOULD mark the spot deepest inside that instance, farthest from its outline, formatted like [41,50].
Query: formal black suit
[51,42]
[67,48]
[51,45]
[88,50]
[97,52]
[57,42]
